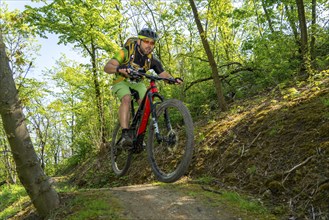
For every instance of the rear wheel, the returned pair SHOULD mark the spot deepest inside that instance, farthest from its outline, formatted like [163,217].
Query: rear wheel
[120,157]
[171,155]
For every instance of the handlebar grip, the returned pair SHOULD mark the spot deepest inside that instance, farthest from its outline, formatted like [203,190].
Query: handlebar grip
[174,80]
[171,80]
[178,78]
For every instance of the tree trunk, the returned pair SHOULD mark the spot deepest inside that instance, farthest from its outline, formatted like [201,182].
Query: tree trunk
[41,125]
[313,28]
[9,166]
[37,184]
[7,160]
[291,21]
[98,97]
[258,19]
[303,34]
[212,62]
[268,17]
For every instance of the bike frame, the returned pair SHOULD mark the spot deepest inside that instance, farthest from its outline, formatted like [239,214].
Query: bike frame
[146,108]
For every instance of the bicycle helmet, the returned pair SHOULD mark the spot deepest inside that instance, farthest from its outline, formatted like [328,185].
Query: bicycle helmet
[148,33]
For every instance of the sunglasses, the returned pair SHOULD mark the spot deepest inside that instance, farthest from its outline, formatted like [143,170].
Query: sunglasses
[149,42]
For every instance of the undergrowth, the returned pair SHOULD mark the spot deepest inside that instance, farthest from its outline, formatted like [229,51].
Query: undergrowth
[13,198]
[87,205]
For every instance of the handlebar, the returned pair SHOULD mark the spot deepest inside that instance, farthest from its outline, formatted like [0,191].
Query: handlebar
[135,74]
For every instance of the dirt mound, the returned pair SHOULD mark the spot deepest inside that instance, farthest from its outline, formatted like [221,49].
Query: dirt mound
[276,148]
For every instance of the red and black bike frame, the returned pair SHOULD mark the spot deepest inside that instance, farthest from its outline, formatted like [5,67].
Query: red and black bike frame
[146,108]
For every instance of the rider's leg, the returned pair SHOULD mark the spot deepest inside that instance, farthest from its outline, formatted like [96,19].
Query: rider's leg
[141,89]
[124,115]
[124,111]
[121,90]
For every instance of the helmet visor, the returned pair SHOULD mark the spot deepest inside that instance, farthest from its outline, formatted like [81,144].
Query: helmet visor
[145,38]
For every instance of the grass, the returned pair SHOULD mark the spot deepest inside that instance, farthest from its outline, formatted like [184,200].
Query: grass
[245,204]
[12,199]
[75,204]
[241,205]
[88,205]
[325,102]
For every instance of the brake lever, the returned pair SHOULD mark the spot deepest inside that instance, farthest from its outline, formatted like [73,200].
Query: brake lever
[135,75]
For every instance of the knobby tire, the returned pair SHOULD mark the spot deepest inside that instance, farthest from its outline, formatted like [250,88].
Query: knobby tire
[120,158]
[170,160]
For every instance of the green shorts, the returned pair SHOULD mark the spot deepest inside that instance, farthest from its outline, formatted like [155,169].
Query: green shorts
[122,88]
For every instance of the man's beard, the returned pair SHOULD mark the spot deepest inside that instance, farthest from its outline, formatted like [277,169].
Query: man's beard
[147,50]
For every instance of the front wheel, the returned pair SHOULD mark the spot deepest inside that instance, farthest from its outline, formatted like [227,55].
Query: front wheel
[120,157]
[170,151]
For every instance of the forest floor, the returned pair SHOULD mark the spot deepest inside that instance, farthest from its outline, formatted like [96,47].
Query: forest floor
[185,199]
[267,156]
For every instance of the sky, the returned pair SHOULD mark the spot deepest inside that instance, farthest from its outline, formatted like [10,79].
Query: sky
[50,51]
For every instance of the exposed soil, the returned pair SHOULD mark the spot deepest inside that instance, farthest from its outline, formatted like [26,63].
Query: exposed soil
[154,202]
[147,201]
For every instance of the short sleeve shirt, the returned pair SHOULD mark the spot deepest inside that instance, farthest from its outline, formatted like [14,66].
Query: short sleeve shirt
[122,57]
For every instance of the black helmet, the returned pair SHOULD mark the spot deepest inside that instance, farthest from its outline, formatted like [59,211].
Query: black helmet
[148,33]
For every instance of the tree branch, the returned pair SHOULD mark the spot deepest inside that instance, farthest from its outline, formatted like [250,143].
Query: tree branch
[229,64]
[239,70]
[198,58]
[5,151]
[221,76]
[197,81]
[296,167]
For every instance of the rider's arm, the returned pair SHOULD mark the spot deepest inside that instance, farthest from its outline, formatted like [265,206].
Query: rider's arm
[113,65]
[158,68]
[165,74]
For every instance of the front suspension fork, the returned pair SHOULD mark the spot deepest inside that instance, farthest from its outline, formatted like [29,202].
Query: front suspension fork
[156,125]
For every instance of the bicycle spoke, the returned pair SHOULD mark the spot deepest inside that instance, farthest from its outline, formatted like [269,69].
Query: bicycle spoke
[171,155]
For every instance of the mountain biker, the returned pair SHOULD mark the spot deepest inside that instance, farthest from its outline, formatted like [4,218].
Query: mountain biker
[139,56]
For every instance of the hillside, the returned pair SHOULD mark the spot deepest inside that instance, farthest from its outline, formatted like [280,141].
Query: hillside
[273,147]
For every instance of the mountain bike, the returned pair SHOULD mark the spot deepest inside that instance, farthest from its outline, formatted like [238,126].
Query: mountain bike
[169,140]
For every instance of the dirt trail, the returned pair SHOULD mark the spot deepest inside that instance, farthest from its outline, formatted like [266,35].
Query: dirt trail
[155,202]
